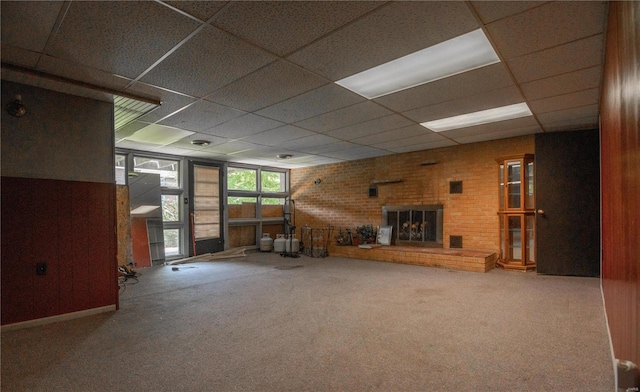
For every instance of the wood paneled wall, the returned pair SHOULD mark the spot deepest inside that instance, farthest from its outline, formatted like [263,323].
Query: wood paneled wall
[68,225]
[620,166]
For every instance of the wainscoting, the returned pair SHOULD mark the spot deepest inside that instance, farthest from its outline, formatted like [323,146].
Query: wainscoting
[67,228]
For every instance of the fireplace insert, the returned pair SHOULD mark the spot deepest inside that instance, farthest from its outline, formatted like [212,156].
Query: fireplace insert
[414,225]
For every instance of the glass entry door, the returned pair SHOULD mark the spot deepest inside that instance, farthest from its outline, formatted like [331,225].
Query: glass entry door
[205,209]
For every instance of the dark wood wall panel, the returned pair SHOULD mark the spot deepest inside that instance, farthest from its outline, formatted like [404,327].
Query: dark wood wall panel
[68,225]
[620,167]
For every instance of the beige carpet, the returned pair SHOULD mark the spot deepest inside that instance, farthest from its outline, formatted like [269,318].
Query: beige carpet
[267,323]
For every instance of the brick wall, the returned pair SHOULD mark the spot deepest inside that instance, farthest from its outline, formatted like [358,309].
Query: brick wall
[342,198]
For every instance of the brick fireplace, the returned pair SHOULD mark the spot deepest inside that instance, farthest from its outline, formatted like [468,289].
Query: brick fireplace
[417,225]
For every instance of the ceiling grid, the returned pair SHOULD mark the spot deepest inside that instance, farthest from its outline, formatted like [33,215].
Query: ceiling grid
[258,79]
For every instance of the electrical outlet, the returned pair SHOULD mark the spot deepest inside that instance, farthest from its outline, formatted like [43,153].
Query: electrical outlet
[41,269]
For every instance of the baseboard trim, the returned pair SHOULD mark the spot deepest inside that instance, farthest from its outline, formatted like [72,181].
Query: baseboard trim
[58,318]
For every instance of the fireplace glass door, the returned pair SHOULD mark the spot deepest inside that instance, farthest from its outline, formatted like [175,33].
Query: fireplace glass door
[414,225]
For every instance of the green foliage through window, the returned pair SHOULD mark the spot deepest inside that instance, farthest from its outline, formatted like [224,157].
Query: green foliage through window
[242,179]
[170,208]
[272,181]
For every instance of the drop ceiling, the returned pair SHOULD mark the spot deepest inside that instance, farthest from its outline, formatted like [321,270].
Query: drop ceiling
[257,79]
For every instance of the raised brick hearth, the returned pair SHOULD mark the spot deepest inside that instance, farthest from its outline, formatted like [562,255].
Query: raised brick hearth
[455,259]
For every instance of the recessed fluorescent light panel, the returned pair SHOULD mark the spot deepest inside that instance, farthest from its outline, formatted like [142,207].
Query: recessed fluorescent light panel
[476,118]
[461,54]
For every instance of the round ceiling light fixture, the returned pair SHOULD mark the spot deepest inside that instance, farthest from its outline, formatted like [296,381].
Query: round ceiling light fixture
[200,142]
[284,156]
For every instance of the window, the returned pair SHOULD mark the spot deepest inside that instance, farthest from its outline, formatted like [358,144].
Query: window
[241,179]
[121,169]
[170,208]
[172,242]
[273,181]
[255,200]
[173,214]
[168,170]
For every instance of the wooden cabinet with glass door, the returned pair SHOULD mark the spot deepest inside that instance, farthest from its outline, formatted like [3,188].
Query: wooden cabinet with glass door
[516,212]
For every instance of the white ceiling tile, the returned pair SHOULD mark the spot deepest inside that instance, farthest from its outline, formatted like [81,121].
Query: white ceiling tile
[201,115]
[395,134]
[243,126]
[392,31]
[321,150]
[426,137]
[131,145]
[561,59]
[327,148]
[267,152]
[561,84]
[185,143]
[275,137]
[304,143]
[340,118]
[372,127]
[171,102]
[572,124]
[424,146]
[475,103]
[209,60]
[71,70]
[589,111]
[284,26]
[114,35]
[202,10]
[276,82]
[173,150]
[565,101]
[490,11]
[27,24]
[208,155]
[360,152]
[480,80]
[319,101]
[547,26]
[502,134]
[130,129]
[229,147]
